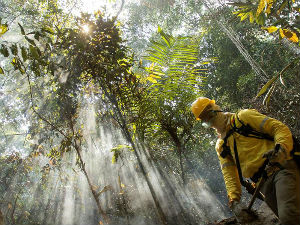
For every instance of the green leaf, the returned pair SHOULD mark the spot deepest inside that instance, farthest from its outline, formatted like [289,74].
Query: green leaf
[165,37]
[30,41]
[34,52]
[24,53]
[244,16]
[22,29]
[4,50]
[3,29]
[114,158]
[47,30]
[1,70]
[268,96]
[37,36]
[117,151]
[261,19]
[14,61]
[282,6]
[17,65]
[14,49]
[267,85]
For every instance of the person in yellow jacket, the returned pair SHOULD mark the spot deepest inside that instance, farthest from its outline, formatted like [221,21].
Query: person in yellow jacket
[282,187]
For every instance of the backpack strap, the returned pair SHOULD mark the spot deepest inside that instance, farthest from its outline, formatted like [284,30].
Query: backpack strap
[247,131]
[245,183]
[226,149]
[237,162]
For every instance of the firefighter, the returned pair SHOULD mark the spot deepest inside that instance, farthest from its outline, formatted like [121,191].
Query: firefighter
[243,155]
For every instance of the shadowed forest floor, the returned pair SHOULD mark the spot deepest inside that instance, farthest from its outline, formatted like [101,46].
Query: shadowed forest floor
[265,216]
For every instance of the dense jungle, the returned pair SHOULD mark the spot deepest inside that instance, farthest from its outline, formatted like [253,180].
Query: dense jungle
[95,104]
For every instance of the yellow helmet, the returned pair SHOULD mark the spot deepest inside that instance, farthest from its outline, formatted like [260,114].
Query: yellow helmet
[199,105]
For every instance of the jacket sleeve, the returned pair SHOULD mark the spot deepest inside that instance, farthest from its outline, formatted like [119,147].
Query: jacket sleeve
[281,133]
[230,174]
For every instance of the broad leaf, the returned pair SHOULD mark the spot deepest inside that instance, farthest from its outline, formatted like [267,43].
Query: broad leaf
[22,29]
[267,85]
[285,33]
[37,36]
[14,49]
[4,50]
[268,96]
[270,29]
[3,29]
[30,41]
[261,6]
[34,52]
[24,53]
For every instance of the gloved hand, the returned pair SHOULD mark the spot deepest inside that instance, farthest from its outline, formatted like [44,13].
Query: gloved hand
[279,156]
[241,214]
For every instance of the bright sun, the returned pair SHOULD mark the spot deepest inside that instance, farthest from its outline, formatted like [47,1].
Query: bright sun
[85,28]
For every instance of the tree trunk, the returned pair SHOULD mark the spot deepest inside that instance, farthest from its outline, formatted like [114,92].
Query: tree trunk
[121,120]
[179,147]
[82,166]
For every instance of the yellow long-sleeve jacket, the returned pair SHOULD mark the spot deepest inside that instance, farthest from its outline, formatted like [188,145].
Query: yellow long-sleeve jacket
[250,150]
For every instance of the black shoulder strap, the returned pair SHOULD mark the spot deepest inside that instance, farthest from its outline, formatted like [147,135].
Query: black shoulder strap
[226,149]
[247,131]
[255,177]
[237,162]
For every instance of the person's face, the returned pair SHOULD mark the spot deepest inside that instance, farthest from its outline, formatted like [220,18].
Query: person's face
[208,114]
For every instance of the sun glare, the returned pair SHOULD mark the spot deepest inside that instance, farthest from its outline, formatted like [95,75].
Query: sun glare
[85,28]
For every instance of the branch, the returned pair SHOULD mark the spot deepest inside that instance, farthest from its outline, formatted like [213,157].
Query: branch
[14,208]
[82,165]
[120,10]
[4,135]
[32,106]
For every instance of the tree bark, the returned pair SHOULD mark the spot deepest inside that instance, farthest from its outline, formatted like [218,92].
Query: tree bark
[123,125]
[82,166]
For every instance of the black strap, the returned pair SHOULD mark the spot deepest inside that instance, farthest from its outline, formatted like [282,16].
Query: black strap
[237,162]
[226,149]
[243,182]
[260,172]
[247,131]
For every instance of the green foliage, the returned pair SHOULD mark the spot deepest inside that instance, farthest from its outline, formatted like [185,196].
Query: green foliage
[3,28]
[282,16]
[173,79]
[174,64]
[118,150]
[271,84]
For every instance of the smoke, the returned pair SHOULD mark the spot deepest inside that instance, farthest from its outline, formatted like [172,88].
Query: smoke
[65,198]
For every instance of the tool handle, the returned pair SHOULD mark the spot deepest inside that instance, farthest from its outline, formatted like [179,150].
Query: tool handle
[256,192]
[262,181]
